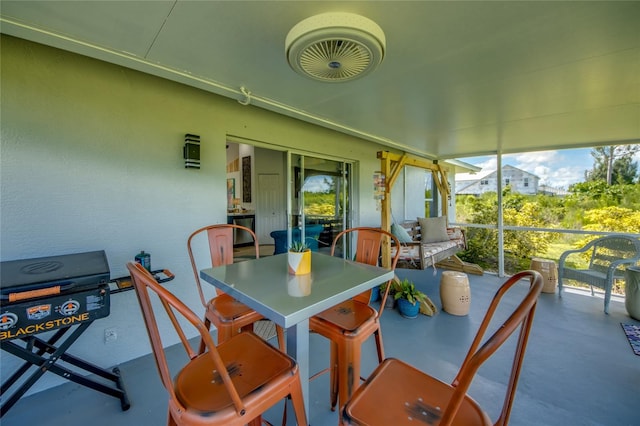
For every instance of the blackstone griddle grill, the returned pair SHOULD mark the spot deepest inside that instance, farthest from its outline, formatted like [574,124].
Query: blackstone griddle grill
[57,294]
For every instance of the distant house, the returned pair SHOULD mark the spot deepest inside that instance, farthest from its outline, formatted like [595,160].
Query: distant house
[520,181]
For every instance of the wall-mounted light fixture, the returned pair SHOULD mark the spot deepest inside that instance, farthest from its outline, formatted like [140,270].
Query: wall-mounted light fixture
[191,151]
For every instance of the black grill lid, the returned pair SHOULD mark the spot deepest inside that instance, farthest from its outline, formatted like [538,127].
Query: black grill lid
[71,271]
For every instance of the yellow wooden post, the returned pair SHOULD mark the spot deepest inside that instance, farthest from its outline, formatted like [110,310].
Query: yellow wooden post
[391,165]
[440,177]
[385,168]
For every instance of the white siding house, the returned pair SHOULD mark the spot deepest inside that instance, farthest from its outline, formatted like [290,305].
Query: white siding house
[520,181]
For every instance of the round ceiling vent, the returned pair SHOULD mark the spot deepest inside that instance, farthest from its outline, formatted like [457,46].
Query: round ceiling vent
[335,46]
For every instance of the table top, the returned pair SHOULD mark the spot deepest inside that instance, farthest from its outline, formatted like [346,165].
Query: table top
[265,285]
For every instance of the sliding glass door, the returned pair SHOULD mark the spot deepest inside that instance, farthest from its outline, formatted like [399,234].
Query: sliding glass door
[320,198]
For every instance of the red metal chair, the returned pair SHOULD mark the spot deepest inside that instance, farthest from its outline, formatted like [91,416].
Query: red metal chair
[232,383]
[350,323]
[227,314]
[399,394]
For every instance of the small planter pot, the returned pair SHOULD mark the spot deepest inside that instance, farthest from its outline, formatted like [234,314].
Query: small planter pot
[408,310]
[299,262]
[390,303]
[375,295]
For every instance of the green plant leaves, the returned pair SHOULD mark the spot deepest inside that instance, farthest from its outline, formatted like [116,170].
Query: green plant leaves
[298,247]
[407,290]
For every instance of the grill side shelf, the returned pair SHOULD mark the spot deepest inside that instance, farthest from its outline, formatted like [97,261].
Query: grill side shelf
[120,284]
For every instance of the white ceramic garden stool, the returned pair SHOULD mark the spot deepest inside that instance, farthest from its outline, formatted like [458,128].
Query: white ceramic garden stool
[455,293]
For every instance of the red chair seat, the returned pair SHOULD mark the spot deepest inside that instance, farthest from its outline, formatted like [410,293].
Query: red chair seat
[350,316]
[228,310]
[403,395]
[200,387]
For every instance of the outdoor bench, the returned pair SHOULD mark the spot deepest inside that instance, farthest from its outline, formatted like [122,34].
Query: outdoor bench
[421,255]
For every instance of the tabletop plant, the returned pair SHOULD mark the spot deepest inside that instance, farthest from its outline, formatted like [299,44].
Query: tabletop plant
[299,258]
[298,247]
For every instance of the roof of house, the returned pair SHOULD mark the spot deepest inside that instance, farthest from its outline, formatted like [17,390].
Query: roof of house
[473,177]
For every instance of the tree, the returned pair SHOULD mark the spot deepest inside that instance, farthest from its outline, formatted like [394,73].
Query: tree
[519,246]
[612,219]
[624,170]
[613,164]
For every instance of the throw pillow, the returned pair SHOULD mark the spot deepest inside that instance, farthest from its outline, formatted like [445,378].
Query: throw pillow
[433,229]
[400,233]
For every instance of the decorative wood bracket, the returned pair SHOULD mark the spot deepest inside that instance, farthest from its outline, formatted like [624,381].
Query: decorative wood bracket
[391,165]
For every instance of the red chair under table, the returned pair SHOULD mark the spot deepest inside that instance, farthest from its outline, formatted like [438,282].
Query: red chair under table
[348,324]
[227,314]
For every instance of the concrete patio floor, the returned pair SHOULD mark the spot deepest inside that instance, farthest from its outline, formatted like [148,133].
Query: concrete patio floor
[579,368]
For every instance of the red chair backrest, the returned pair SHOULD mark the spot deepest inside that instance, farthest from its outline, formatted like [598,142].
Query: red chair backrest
[143,281]
[522,318]
[368,243]
[220,238]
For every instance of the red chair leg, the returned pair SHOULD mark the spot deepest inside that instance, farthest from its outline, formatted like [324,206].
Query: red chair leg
[379,345]
[170,420]
[298,403]
[349,353]
[207,324]
[256,422]
[282,344]
[335,377]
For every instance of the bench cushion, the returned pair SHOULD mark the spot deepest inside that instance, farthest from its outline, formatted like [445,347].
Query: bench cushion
[400,233]
[433,229]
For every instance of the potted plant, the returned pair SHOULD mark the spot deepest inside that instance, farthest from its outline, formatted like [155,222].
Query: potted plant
[390,302]
[299,258]
[408,298]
